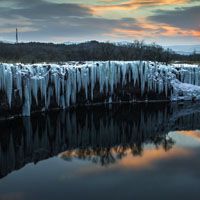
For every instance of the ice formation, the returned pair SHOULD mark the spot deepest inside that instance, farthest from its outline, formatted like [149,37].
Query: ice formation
[43,86]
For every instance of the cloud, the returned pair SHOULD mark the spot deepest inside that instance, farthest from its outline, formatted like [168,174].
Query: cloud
[84,28]
[133,5]
[185,18]
[142,3]
[40,18]
[44,10]
[48,20]
[61,27]
[155,32]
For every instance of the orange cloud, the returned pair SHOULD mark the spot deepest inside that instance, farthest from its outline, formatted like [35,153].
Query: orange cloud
[151,30]
[175,31]
[196,33]
[134,4]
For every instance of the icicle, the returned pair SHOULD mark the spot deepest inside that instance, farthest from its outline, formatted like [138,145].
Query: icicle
[85,79]
[34,84]
[19,84]
[62,101]
[102,75]
[124,71]
[92,79]
[43,90]
[2,69]
[74,86]
[9,86]
[27,100]
[49,95]
[68,89]
[112,76]
[166,87]
[78,74]
[56,79]
[142,70]
[134,70]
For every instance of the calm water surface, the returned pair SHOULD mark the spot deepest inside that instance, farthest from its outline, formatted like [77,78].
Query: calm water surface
[143,151]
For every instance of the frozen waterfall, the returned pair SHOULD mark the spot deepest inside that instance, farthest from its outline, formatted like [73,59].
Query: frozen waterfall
[26,88]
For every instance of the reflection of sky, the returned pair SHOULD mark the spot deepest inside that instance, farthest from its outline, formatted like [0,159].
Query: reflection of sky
[157,174]
[162,21]
[186,138]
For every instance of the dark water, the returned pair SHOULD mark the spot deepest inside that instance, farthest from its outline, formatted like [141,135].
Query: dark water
[143,151]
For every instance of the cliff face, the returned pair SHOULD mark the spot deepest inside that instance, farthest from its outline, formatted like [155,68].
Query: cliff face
[28,88]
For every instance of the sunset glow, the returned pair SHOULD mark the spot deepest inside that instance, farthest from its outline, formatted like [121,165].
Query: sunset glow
[160,21]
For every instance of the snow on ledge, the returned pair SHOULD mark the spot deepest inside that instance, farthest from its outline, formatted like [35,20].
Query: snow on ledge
[184,91]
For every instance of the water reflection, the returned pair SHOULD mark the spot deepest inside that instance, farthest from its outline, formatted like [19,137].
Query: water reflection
[108,155]
[101,134]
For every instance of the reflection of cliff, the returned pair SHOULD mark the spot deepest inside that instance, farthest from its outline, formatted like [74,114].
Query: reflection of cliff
[93,131]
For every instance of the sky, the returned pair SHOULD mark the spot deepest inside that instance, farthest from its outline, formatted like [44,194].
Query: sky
[165,22]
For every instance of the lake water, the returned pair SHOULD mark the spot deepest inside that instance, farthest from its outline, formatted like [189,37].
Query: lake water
[141,151]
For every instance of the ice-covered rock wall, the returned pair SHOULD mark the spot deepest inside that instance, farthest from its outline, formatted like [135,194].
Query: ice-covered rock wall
[40,87]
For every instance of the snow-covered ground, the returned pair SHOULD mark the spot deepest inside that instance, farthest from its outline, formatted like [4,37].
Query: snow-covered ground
[43,86]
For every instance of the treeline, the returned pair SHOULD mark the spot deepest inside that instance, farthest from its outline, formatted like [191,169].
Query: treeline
[48,52]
